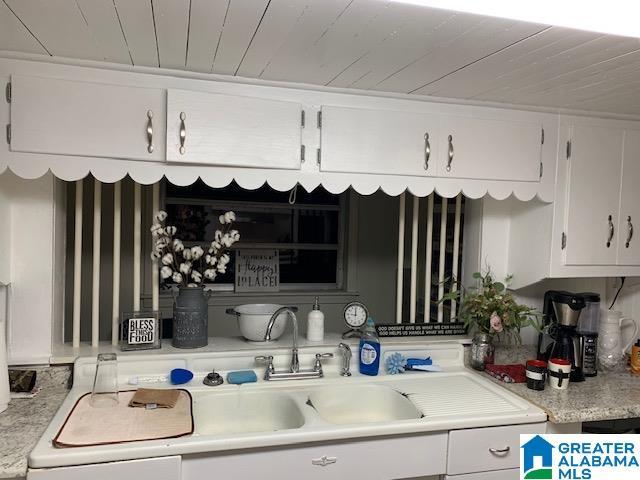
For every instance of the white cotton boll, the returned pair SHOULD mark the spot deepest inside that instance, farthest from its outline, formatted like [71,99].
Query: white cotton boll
[196,252]
[235,235]
[196,276]
[229,217]
[187,254]
[176,277]
[222,268]
[165,272]
[155,227]
[155,255]
[161,216]
[217,236]
[178,246]
[161,243]
[185,267]
[226,240]
[224,259]
[210,274]
[216,246]
[171,230]
[221,219]
[167,259]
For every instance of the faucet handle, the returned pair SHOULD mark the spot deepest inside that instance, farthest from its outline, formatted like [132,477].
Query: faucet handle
[268,359]
[319,356]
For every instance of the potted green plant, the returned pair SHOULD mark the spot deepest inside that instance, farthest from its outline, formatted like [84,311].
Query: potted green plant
[491,312]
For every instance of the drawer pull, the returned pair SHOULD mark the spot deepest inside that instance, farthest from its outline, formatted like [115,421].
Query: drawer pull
[500,451]
[629,232]
[611,231]
[427,151]
[183,132]
[324,461]
[149,131]
[450,159]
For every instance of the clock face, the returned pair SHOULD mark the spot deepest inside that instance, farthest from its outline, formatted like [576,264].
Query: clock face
[355,314]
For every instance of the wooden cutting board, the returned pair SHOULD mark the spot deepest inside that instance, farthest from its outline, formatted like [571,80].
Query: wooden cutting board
[89,426]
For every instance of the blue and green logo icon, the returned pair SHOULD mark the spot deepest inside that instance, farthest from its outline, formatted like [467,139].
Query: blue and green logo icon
[537,459]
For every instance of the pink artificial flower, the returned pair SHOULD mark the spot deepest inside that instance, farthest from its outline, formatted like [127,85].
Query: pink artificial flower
[496,322]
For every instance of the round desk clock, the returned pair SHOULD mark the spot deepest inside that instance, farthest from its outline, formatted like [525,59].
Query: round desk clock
[355,316]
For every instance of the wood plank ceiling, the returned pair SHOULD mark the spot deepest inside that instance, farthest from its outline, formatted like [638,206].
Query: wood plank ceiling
[364,44]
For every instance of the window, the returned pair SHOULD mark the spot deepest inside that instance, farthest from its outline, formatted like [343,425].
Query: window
[308,233]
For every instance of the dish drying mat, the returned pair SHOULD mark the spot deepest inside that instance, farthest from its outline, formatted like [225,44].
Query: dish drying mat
[88,426]
[450,396]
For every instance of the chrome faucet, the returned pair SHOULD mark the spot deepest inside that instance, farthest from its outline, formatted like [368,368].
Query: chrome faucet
[295,363]
[345,350]
[294,372]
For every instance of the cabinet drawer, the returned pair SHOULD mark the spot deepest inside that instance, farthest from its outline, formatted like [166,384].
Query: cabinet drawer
[511,474]
[162,468]
[409,456]
[470,450]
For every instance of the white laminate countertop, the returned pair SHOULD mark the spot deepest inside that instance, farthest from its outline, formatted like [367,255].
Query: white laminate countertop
[22,424]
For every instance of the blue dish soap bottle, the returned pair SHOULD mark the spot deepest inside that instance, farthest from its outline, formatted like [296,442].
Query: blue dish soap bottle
[369,349]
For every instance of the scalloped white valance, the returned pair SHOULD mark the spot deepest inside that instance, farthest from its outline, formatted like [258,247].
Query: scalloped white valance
[70,168]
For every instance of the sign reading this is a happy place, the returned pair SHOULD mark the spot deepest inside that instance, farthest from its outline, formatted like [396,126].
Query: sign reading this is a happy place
[257,271]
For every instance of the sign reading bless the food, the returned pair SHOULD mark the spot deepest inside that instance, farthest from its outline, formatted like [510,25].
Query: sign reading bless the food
[257,271]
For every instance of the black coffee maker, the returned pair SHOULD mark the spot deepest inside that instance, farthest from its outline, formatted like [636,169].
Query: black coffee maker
[559,338]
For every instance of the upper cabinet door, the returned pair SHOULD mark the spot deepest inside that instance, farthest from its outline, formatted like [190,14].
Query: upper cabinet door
[357,140]
[629,220]
[87,119]
[593,195]
[484,148]
[214,129]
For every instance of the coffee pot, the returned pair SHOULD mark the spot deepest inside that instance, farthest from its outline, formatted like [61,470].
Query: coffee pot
[611,347]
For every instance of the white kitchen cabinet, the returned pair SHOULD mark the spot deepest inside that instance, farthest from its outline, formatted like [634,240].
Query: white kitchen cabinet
[628,240]
[359,140]
[598,174]
[67,117]
[376,459]
[511,474]
[476,147]
[593,194]
[215,129]
[161,468]
[487,449]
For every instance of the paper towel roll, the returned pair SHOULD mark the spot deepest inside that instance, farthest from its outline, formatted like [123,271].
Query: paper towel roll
[4,371]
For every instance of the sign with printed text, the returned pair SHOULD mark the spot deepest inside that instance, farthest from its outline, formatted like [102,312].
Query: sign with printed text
[579,457]
[141,331]
[257,271]
[420,329]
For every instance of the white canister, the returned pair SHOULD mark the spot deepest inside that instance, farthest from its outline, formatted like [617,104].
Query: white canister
[559,371]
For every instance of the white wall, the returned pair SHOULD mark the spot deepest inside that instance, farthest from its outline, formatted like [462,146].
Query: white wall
[33,292]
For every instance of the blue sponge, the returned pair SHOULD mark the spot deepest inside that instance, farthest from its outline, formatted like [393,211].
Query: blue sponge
[180,375]
[242,376]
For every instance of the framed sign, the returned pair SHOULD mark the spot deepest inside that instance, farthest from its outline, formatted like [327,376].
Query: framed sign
[140,331]
[420,329]
[257,271]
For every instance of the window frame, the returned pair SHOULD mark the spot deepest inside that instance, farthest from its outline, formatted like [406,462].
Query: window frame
[343,224]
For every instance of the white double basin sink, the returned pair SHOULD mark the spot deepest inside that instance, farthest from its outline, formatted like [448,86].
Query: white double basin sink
[240,411]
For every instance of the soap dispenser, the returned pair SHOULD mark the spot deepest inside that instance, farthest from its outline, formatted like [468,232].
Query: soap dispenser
[315,323]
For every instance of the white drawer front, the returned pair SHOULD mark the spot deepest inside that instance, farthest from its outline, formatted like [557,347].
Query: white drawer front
[162,468]
[380,459]
[478,449]
[511,474]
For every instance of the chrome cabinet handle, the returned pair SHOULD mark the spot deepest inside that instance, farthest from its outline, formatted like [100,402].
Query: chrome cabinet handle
[498,451]
[427,151]
[629,231]
[611,231]
[183,132]
[149,131]
[450,153]
[323,461]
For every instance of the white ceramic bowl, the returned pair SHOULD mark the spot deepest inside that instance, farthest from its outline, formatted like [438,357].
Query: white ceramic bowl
[253,319]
